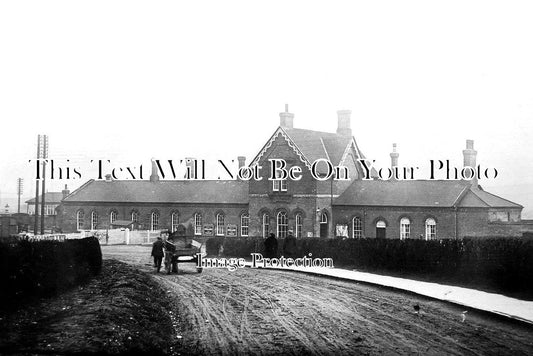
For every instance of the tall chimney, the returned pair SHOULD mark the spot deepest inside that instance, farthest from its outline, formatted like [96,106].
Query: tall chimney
[286,119]
[469,158]
[344,125]
[394,157]
[190,163]
[241,160]
[65,192]
[154,177]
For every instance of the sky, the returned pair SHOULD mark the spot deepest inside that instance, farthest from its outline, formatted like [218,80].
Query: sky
[126,81]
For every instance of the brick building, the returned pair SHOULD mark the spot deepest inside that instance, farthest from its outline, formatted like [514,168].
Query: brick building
[52,201]
[311,206]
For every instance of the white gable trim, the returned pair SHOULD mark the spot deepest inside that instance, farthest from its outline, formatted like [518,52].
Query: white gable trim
[291,144]
[351,145]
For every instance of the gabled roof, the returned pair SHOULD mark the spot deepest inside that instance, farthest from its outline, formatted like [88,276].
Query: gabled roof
[311,145]
[142,191]
[50,198]
[317,144]
[419,193]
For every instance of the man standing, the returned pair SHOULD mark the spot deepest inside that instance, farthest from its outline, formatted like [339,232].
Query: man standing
[271,246]
[157,253]
[289,247]
[171,260]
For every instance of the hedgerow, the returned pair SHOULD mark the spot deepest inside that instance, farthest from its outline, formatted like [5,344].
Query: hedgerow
[38,268]
[501,263]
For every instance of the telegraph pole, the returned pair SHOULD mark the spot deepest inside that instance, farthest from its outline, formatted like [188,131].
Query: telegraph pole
[44,156]
[36,212]
[20,187]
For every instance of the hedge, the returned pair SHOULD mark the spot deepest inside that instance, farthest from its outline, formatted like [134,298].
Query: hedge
[504,264]
[39,268]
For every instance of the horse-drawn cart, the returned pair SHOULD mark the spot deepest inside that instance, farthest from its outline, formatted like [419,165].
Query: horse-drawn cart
[181,249]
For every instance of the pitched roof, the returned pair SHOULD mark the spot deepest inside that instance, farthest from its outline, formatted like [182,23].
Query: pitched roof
[172,191]
[311,145]
[317,144]
[419,193]
[50,198]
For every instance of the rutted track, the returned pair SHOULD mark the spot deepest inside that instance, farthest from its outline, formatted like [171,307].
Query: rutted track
[275,312]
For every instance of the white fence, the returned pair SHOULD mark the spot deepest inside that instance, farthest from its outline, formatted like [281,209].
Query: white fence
[121,236]
[109,237]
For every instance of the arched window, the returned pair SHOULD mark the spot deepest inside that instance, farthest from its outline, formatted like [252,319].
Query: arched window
[80,217]
[220,224]
[245,222]
[197,224]
[298,225]
[112,216]
[135,216]
[431,229]
[94,220]
[405,228]
[282,224]
[154,221]
[174,221]
[266,225]
[357,228]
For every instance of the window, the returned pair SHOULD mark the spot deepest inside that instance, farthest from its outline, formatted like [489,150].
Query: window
[174,221]
[357,228]
[220,224]
[134,216]
[49,210]
[197,224]
[282,224]
[405,228]
[112,217]
[80,216]
[154,221]
[266,225]
[298,225]
[431,229]
[94,220]
[279,185]
[324,218]
[245,222]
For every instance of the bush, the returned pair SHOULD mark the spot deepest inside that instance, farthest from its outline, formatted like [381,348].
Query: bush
[38,268]
[503,264]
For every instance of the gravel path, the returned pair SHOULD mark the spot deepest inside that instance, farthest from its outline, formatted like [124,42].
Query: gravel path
[251,311]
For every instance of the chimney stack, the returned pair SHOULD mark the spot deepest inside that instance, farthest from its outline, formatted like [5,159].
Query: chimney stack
[242,161]
[394,157]
[286,119]
[469,158]
[154,177]
[108,178]
[190,163]
[65,192]
[344,122]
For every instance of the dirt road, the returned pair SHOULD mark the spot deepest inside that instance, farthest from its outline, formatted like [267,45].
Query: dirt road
[252,311]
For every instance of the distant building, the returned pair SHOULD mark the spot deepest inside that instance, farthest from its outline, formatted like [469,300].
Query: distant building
[354,208]
[52,201]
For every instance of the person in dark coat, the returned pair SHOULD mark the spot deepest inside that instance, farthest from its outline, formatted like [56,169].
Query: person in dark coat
[170,258]
[271,246]
[289,246]
[157,253]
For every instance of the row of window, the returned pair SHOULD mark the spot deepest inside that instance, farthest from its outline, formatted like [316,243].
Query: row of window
[282,225]
[174,222]
[405,228]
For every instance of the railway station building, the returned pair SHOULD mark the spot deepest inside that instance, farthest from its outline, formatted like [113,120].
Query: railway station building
[352,208]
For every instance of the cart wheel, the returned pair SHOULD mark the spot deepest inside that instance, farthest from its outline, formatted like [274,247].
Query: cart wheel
[199,269]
